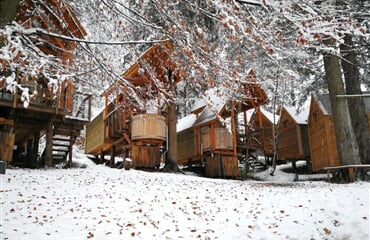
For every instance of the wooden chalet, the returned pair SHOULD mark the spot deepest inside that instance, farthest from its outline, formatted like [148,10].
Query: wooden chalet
[203,136]
[125,126]
[261,133]
[52,111]
[293,135]
[321,131]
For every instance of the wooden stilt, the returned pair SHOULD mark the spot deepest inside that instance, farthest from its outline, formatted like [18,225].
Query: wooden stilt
[70,151]
[49,145]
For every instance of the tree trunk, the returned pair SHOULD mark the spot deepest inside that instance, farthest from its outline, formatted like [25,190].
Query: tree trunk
[360,122]
[346,140]
[171,160]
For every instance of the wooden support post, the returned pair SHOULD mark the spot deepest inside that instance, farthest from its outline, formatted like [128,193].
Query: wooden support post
[49,145]
[102,157]
[112,156]
[35,146]
[70,151]
[351,175]
[233,126]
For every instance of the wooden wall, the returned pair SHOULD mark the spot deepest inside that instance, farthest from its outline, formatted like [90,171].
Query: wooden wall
[293,141]
[186,147]
[322,139]
[261,134]
[146,156]
[221,166]
[95,135]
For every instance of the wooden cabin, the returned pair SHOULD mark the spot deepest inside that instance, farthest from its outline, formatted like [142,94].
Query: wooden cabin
[51,111]
[321,131]
[203,137]
[261,133]
[126,127]
[293,135]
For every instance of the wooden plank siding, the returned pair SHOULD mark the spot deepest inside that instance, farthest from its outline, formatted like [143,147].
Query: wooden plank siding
[219,165]
[186,146]
[95,135]
[261,133]
[293,140]
[145,156]
[220,136]
[322,138]
[321,132]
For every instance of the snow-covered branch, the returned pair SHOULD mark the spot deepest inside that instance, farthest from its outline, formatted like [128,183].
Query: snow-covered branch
[39,31]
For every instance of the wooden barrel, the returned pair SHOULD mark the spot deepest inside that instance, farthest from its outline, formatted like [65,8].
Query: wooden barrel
[148,126]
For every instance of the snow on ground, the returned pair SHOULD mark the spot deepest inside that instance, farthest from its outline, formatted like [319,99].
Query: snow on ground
[98,202]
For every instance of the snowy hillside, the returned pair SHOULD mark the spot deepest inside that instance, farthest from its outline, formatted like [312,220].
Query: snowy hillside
[98,202]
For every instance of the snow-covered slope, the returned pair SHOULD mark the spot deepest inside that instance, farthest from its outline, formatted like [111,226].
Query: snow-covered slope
[103,203]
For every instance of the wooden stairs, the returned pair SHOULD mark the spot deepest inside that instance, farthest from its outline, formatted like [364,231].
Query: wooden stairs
[62,146]
[63,135]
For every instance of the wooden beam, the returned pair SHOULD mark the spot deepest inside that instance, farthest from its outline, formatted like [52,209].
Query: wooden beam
[353,96]
[5,121]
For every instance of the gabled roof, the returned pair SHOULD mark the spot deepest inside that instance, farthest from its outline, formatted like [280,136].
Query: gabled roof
[157,59]
[215,102]
[270,116]
[323,100]
[300,117]
[52,15]
[185,122]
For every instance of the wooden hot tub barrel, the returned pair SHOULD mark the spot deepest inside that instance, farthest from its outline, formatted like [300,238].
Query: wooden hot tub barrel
[148,126]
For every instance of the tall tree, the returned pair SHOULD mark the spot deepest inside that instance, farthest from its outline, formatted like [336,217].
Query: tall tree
[359,119]
[346,140]
[351,71]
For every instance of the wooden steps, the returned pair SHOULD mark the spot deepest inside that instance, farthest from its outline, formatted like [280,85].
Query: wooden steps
[61,147]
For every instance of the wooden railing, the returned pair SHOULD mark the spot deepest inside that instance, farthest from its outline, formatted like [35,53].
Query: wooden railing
[115,124]
[77,104]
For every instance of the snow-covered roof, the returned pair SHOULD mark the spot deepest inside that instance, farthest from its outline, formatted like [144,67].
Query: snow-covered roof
[185,122]
[301,116]
[324,103]
[270,116]
[198,104]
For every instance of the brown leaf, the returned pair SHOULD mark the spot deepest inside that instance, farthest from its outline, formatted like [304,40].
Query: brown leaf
[90,235]
[327,231]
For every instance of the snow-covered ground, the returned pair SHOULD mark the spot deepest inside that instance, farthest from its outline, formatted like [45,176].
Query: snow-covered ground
[98,202]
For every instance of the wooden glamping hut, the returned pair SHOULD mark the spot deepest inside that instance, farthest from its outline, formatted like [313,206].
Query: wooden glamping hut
[293,135]
[125,126]
[203,137]
[321,131]
[52,110]
[260,134]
